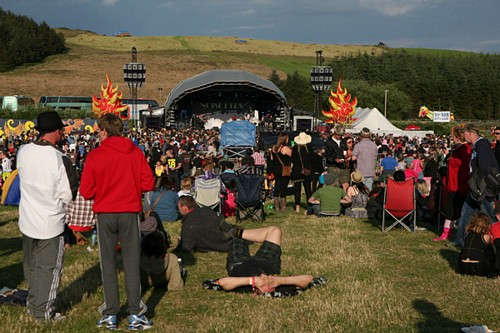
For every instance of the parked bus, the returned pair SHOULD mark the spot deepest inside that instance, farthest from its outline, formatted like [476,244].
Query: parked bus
[85,103]
[66,102]
[16,102]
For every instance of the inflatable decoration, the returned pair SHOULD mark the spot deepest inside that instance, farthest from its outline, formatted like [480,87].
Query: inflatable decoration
[11,130]
[91,128]
[341,107]
[28,126]
[425,112]
[110,102]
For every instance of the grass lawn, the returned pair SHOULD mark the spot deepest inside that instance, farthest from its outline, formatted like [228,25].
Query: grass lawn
[378,282]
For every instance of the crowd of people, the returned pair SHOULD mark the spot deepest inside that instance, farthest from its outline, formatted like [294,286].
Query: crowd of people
[454,177]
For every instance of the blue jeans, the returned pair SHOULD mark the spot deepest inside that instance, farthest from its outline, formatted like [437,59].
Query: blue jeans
[313,209]
[368,181]
[470,207]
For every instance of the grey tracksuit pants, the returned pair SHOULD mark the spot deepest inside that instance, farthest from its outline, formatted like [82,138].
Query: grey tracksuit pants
[42,265]
[122,227]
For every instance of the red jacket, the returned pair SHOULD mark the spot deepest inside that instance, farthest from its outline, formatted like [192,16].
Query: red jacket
[458,169]
[115,175]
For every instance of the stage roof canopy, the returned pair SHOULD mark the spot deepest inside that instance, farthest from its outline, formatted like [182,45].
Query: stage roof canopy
[225,80]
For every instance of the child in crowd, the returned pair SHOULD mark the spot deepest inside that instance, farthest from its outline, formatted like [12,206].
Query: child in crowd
[186,184]
[421,197]
[477,256]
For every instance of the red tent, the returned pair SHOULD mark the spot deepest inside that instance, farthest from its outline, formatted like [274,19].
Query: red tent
[412,127]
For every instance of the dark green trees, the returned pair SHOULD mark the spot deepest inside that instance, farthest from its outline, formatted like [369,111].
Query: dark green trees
[22,41]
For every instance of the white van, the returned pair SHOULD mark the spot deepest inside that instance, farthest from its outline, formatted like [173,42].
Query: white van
[16,102]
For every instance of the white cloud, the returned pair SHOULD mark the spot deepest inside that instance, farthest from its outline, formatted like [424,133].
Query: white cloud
[166,4]
[109,3]
[397,7]
[248,12]
[488,42]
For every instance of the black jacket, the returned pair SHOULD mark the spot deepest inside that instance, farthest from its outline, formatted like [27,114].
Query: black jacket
[334,151]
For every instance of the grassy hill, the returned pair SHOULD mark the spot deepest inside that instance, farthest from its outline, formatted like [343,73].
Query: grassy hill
[169,60]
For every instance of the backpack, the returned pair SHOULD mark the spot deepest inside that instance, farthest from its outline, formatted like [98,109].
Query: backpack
[484,187]
[153,223]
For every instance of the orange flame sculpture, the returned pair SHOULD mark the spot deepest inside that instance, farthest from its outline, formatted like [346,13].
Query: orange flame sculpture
[341,107]
[110,101]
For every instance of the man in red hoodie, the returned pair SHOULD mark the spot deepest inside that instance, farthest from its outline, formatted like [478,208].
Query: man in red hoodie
[115,175]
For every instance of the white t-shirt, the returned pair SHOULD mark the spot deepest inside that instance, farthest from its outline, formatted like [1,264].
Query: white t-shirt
[45,191]
[6,164]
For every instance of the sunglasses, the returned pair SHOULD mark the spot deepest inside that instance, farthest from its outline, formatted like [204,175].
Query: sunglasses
[349,141]
[497,133]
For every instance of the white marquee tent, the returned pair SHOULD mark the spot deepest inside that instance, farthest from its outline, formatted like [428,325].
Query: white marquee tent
[378,124]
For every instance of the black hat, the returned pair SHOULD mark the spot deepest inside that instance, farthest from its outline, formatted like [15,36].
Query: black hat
[49,121]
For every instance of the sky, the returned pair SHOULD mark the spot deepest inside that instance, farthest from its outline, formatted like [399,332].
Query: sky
[468,25]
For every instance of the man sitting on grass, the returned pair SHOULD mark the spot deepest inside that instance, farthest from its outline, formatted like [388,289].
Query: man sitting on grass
[159,266]
[328,198]
[260,273]
[203,229]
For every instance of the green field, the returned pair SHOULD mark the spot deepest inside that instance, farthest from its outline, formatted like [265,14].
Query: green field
[378,282]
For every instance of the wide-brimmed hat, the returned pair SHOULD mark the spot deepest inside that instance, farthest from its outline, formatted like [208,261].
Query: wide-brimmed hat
[365,132]
[49,121]
[302,139]
[357,177]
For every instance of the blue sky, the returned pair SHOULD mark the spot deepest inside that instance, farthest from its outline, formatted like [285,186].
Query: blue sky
[470,25]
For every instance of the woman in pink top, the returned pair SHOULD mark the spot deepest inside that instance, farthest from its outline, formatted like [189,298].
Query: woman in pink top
[417,165]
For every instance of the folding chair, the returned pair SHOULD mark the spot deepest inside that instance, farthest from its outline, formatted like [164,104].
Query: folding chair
[228,179]
[249,197]
[399,202]
[207,193]
[496,245]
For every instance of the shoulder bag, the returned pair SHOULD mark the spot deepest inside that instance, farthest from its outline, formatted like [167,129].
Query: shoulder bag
[304,171]
[286,170]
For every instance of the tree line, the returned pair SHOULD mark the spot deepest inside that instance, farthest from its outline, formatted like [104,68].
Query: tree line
[467,84]
[24,41]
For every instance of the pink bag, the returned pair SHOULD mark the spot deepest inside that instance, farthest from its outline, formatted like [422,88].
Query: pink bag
[229,205]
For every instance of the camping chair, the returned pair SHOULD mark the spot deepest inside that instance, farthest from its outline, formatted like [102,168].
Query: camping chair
[496,245]
[399,202]
[207,193]
[249,197]
[228,178]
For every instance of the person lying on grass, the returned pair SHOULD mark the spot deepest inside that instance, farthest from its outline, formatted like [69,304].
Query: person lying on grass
[260,273]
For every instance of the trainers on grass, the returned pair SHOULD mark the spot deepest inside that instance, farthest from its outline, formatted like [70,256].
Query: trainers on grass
[108,321]
[136,322]
[318,281]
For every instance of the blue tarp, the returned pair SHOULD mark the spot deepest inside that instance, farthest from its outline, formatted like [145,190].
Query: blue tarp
[240,133]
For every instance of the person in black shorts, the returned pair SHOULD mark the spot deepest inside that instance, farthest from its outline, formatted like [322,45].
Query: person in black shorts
[260,273]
